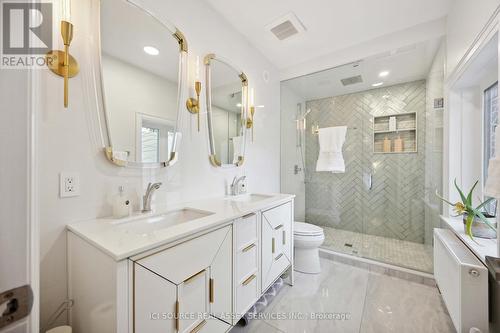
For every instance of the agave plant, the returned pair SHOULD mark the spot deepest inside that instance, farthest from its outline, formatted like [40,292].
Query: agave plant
[465,208]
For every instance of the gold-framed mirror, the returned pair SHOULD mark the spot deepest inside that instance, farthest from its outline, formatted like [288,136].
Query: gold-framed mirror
[143,68]
[227,108]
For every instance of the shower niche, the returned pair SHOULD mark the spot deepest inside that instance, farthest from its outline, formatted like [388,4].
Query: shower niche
[395,133]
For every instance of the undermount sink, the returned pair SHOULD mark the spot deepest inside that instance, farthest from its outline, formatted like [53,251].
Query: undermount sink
[250,198]
[147,224]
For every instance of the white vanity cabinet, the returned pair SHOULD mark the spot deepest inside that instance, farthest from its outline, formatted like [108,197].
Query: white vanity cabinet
[277,242]
[246,263]
[202,279]
[179,288]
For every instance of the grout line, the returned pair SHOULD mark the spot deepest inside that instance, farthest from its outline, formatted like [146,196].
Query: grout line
[370,277]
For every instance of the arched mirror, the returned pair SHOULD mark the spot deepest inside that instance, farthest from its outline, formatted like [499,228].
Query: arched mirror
[227,104]
[143,68]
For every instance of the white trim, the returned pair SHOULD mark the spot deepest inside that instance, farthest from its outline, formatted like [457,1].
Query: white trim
[452,165]
[33,260]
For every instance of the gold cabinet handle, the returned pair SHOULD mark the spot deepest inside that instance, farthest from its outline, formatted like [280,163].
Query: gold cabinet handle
[211,290]
[249,279]
[280,255]
[284,237]
[199,326]
[248,248]
[278,227]
[192,277]
[273,245]
[177,315]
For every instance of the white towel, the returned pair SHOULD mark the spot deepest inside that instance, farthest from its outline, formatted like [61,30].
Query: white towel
[236,148]
[331,140]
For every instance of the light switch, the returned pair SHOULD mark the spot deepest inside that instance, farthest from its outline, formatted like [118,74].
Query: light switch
[69,184]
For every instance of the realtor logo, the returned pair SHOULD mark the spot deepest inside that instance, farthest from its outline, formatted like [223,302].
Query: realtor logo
[26,33]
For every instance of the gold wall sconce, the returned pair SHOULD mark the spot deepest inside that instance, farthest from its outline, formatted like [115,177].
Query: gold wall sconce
[193,104]
[61,62]
[250,119]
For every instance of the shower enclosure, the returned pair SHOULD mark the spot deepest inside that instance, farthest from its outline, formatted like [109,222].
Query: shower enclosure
[384,206]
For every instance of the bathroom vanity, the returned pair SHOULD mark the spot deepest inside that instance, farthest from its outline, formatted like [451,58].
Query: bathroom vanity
[196,267]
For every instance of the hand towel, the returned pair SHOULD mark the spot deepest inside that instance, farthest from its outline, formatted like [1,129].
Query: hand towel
[331,141]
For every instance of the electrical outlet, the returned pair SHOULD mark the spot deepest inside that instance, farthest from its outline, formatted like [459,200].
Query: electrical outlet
[69,184]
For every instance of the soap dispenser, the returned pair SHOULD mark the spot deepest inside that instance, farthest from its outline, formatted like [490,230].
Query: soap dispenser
[121,204]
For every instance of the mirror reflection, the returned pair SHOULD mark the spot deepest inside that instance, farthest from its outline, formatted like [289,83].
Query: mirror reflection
[226,112]
[140,83]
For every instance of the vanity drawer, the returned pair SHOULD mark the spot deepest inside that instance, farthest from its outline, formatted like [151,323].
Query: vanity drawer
[247,294]
[246,261]
[246,231]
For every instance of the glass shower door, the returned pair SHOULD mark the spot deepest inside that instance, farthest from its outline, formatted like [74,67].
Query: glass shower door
[393,166]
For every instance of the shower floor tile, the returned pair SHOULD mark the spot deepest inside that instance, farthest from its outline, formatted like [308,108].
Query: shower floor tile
[388,250]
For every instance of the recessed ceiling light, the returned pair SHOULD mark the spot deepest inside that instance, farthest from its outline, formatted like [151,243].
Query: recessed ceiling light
[378,84]
[151,50]
[383,73]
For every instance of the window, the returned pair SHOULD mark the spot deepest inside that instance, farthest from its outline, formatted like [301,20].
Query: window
[150,145]
[490,124]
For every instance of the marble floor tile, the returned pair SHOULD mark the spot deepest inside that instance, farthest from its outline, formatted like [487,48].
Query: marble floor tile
[395,305]
[331,301]
[370,302]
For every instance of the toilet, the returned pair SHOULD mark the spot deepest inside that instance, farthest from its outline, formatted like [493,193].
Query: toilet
[307,240]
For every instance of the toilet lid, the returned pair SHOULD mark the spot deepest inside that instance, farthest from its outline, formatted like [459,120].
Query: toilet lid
[301,228]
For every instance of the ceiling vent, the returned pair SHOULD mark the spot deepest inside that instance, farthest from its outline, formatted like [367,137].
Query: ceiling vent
[351,80]
[286,26]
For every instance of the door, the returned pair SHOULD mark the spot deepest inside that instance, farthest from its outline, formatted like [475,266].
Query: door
[276,254]
[18,240]
[154,302]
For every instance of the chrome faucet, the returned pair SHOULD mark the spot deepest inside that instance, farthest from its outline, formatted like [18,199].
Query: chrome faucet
[235,188]
[146,199]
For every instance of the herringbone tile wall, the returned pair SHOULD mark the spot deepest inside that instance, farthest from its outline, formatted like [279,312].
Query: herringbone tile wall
[394,206]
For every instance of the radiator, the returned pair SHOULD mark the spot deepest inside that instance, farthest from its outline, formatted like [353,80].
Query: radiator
[463,282]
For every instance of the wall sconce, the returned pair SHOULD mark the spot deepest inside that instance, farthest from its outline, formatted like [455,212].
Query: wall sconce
[193,104]
[61,62]
[250,119]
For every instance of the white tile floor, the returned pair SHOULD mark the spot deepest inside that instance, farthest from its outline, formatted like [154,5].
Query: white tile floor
[368,302]
[388,250]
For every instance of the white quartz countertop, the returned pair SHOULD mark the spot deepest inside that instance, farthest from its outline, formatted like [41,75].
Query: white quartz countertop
[481,247]
[118,242]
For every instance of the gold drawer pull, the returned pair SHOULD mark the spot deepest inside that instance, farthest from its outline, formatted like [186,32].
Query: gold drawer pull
[278,227]
[273,245]
[192,277]
[177,316]
[248,248]
[284,237]
[278,257]
[249,279]
[199,326]
[211,290]
[248,215]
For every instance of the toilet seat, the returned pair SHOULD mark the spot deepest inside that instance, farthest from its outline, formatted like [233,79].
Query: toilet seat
[306,229]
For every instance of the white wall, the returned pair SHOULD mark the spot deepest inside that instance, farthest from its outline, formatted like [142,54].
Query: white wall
[131,90]
[290,153]
[69,141]
[465,21]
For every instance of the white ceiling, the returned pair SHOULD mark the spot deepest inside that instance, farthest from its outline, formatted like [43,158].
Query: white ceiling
[125,30]
[331,25]
[407,64]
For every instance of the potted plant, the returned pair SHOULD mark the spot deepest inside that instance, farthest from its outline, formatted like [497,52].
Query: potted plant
[476,223]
